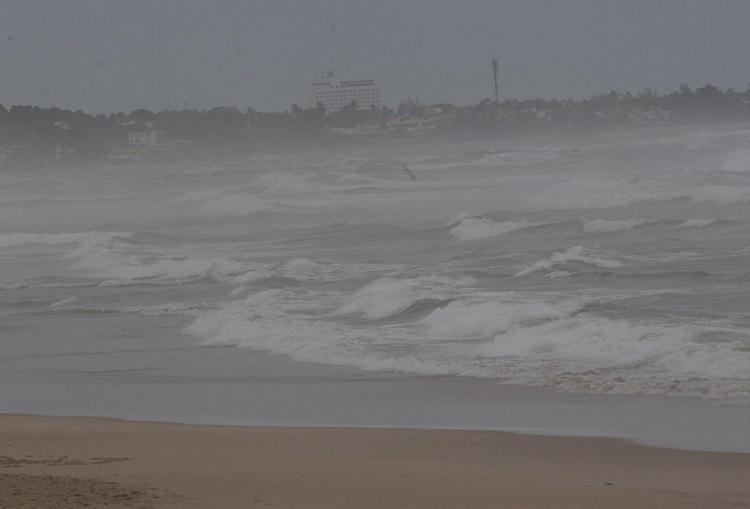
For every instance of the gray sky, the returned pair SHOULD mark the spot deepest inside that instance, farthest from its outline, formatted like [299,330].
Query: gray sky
[117,55]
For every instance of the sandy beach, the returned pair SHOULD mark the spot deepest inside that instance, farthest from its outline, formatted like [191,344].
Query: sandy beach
[48,462]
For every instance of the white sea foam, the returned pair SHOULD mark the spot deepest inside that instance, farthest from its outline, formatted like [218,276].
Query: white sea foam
[389,296]
[63,302]
[559,343]
[483,319]
[73,304]
[367,296]
[604,226]
[586,342]
[576,254]
[304,269]
[108,258]
[132,269]
[44,284]
[555,274]
[239,291]
[697,223]
[478,228]
[168,309]
[267,321]
[457,219]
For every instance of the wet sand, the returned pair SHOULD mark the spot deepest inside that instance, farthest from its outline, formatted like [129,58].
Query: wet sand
[55,462]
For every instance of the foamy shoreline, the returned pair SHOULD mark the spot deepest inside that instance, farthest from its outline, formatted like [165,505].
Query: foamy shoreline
[271,390]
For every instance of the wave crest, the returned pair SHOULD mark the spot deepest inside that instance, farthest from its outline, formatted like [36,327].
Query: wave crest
[577,254]
[387,297]
[479,228]
[604,226]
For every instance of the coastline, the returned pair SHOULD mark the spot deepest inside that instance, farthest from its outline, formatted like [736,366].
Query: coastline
[261,389]
[69,461]
[207,309]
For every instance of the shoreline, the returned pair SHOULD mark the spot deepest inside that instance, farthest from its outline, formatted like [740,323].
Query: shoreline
[72,460]
[260,389]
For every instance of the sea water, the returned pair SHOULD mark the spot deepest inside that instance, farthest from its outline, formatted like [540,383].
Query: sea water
[596,263]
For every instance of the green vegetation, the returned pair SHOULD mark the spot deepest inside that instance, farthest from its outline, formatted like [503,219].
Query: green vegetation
[30,134]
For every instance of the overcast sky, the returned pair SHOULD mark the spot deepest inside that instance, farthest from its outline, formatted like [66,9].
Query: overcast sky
[118,55]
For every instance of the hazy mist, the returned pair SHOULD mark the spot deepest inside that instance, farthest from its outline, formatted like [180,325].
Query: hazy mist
[108,55]
[414,223]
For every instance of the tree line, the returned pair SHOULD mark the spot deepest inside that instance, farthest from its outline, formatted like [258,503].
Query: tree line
[31,131]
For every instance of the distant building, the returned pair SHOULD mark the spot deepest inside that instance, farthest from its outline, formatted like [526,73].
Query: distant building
[146,137]
[335,94]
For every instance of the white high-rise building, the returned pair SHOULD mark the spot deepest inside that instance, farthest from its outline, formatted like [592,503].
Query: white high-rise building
[335,94]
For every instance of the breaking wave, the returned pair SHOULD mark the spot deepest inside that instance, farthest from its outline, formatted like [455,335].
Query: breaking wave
[337,258]
[109,258]
[390,296]
[567,344]
[304,269]
[702,223]
[603,226]
[578,255]
[469,228]
[478,228]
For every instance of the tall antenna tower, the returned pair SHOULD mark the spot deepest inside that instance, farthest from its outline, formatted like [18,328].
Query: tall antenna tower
[495,70]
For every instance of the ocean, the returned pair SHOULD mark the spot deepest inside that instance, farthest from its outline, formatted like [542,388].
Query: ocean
[593,266]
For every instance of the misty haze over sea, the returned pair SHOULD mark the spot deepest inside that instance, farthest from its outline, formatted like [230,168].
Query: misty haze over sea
[423,238]
[598,263]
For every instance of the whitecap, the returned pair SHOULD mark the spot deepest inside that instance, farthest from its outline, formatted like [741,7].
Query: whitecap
[478,228]
[575,254]
[604,226]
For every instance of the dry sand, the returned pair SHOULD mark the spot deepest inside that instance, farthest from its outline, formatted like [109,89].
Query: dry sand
[48,462]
